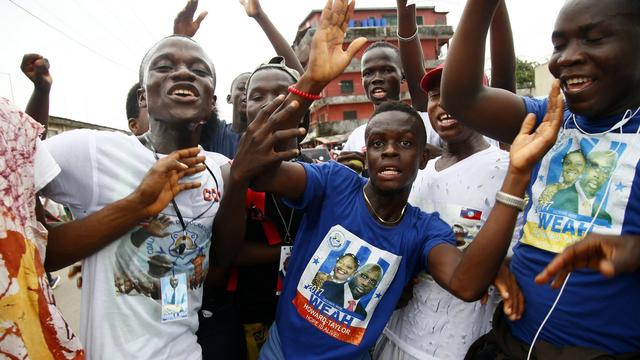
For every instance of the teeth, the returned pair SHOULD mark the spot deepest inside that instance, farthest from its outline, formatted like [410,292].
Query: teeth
[445,117]
[578,80]
[182,92]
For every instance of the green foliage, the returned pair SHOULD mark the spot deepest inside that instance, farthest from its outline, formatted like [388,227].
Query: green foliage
[525,74]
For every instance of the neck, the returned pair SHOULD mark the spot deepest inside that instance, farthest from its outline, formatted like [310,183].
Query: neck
[239,124]
[454,152]
[167,137]
[386,206]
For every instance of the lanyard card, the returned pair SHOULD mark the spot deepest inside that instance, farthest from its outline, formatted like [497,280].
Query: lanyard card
[175,299]
[285,253]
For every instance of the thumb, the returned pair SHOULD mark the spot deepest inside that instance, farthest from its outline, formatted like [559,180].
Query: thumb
[502,287]
[201,17]
[355,46]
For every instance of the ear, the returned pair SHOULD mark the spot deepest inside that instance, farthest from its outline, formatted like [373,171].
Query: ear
[229,99]
[133,125]
[142,99]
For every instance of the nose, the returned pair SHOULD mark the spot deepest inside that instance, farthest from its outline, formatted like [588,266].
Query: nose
[182,72]
[377,78]
[390,150]
[571,54]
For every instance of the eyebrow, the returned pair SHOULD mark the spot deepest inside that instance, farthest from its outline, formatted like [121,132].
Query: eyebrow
[581,29]
[170,56]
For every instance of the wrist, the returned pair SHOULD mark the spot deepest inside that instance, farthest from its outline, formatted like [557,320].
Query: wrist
[515,182]
[308,85]
[42,88]
[135,205]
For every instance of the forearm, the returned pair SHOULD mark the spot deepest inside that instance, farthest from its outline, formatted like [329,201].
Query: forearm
[38,107]
[482,259]
[278,42]
[257,254]
[76,240]
[229,223]
[503,58]
[411,54]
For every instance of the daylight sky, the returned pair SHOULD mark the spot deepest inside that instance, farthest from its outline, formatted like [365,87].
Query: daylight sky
[95,46]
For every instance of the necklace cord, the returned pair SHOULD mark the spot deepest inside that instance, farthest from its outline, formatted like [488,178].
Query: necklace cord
[386,222]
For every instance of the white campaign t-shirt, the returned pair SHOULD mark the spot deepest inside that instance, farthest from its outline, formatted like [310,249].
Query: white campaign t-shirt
[435,324]
[121,306]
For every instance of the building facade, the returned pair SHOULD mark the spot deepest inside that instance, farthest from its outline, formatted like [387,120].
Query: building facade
[344,105]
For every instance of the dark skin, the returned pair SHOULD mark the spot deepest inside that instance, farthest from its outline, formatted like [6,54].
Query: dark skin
[595,59]
[36,68]
[237,98]
[466,275]
[139,125]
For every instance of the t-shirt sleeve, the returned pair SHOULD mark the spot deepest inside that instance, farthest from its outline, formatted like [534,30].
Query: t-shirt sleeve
[44,166]
[317,178]
[536,106]
[74,151]
[437,232]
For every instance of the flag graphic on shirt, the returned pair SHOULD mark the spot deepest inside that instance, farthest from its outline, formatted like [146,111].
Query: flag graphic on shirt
[471,214]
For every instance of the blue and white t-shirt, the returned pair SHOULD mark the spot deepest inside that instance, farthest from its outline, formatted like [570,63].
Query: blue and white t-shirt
[344,319]
[586,182]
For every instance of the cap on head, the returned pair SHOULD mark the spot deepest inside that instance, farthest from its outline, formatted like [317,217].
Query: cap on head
[433,76]
[279,63]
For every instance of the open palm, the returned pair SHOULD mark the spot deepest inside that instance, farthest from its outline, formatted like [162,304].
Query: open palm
[530,146]
[327,60]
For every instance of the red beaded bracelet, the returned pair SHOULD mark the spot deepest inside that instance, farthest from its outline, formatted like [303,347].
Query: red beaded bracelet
[303,94]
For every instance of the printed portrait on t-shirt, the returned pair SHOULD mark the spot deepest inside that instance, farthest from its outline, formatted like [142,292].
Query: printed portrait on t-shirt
[583,185]
[160,247]
[343,283]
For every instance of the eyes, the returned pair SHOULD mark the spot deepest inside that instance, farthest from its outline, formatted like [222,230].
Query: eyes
[167,66]
[387,70]
[380,143]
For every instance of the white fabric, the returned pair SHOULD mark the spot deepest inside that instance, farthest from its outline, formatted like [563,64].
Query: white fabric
[121,309]
[45,167]
[435,324]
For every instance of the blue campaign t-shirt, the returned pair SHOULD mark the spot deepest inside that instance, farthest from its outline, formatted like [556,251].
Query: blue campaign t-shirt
[342,318]
[587,182]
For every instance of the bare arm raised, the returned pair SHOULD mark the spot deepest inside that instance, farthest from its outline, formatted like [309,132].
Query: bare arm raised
[411,54]
[36,68]
[494,112]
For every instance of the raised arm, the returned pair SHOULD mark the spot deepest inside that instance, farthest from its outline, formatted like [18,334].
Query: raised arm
[280,45]
[467,275]
[503,55]
[76,240]
[36,68]
[493,112]
[411,53]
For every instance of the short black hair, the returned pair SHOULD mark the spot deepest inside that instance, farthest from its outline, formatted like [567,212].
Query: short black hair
[402,107]
[235,80]
[133,109]
[145,58]
[383,45]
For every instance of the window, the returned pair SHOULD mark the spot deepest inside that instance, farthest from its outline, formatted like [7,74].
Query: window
[350,115]
[419,20]
[392,20]
[346,86]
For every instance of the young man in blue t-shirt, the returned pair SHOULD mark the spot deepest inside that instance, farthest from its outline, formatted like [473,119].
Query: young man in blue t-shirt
[346,213]
[597,62]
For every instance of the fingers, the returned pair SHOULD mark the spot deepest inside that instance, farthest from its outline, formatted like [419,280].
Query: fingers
[193,161]
[185,153]
[266,111]
[200,18]
[286,155]
[528,124]
[286,134]
[187,186]
[355,46]
[485,298]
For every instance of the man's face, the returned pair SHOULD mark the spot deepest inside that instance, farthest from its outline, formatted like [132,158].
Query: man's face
[173,281]
[238,95]
[381,75]
[364,282]
[265,85]
[448,128]
[572,167]
[596,173]
[395,151]
[596,57]
[178,82]
[140,125]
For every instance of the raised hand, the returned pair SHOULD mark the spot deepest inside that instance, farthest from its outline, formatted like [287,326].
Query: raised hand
[36,68]
[529,147]
[184,23]
[353,160]
[161,183]
[256,149]
[609,254]
[252,7]
[327,60]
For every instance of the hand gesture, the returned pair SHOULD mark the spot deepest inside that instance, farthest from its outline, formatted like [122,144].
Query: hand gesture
[609,254]
[36,67]
[327,60]
[184,23]
[353,160]
[161,183]
[528,148]
[256,149]
[157,225]
[252,7]
[512,298]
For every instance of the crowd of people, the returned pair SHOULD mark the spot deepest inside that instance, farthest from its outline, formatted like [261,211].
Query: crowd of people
[206,239]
